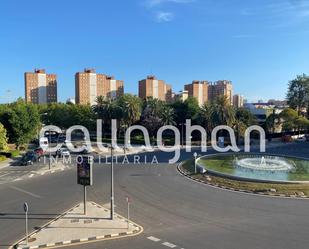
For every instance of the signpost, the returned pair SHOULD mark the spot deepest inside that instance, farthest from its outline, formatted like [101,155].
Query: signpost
[84,174]
[128,211]
[26,208]
[195,156]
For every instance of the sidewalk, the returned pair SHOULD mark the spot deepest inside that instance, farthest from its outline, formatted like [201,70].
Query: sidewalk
[75,228]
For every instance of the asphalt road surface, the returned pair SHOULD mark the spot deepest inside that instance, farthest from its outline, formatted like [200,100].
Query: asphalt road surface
[174,211]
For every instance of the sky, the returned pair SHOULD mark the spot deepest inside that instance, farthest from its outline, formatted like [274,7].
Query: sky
[259,44]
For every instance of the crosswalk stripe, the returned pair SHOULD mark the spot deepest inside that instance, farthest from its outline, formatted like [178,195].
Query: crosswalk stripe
[153,238]
[170,245]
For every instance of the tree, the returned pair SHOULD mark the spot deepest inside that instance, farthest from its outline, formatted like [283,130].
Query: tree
[3,139]
[298,93]
[243,119]
[167,115]
[292,121]
[223,113]
[21,121]
[205,117]
[188,109]
[273,121]
[130,109]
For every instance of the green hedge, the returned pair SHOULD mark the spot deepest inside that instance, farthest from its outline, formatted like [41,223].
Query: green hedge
[10,154]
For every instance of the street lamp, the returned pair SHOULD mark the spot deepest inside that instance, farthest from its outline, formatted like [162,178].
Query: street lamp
[182,125]
[49,163]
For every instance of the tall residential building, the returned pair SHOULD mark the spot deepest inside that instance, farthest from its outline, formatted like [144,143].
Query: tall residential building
[198,90]
[89,85]
[152,87]
[238,101]
[40,88]
[221,88]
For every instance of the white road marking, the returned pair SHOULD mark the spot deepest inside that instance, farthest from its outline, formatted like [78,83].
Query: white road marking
[5,174]
[170,245]
[153,239]
[25,192]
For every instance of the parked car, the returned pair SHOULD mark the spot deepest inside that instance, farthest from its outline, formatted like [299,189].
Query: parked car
[39,151]
[29,158]
[61,139]
[301,139]
[63,152]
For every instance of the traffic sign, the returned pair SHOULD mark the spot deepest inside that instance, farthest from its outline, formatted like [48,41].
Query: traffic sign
[26,208]
[84,171]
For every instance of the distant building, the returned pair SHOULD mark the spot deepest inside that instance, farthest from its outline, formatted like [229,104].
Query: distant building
[221,88]
[198,90]
[261,110]
[278,103]
[40,88]
[238,101]
[89,85]
[182,95]
[152,87]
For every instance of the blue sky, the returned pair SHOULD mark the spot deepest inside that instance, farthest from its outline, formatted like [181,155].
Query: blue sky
[258,44]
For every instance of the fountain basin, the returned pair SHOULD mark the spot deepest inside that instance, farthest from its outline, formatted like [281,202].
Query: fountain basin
[257,167]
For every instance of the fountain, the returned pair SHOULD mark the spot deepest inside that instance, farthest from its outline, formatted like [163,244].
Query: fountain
[264,163]
[257,167]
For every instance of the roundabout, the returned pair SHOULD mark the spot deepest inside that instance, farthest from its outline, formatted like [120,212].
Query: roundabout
[252,167]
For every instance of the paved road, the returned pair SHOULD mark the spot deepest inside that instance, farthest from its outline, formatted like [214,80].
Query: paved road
[175,212]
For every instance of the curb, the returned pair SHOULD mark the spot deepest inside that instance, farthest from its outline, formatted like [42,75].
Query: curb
[187,175]
[137,230]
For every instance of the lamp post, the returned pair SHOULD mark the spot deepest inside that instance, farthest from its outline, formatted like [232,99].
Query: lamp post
[182,125]
[49,163]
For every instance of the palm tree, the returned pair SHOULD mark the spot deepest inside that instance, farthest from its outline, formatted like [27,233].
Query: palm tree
[167,115]
[131,108]
[206,116]
[105,110]
[223,113]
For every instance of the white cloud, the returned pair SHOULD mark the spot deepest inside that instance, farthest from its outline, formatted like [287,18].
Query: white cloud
[162,16]
[156,8]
